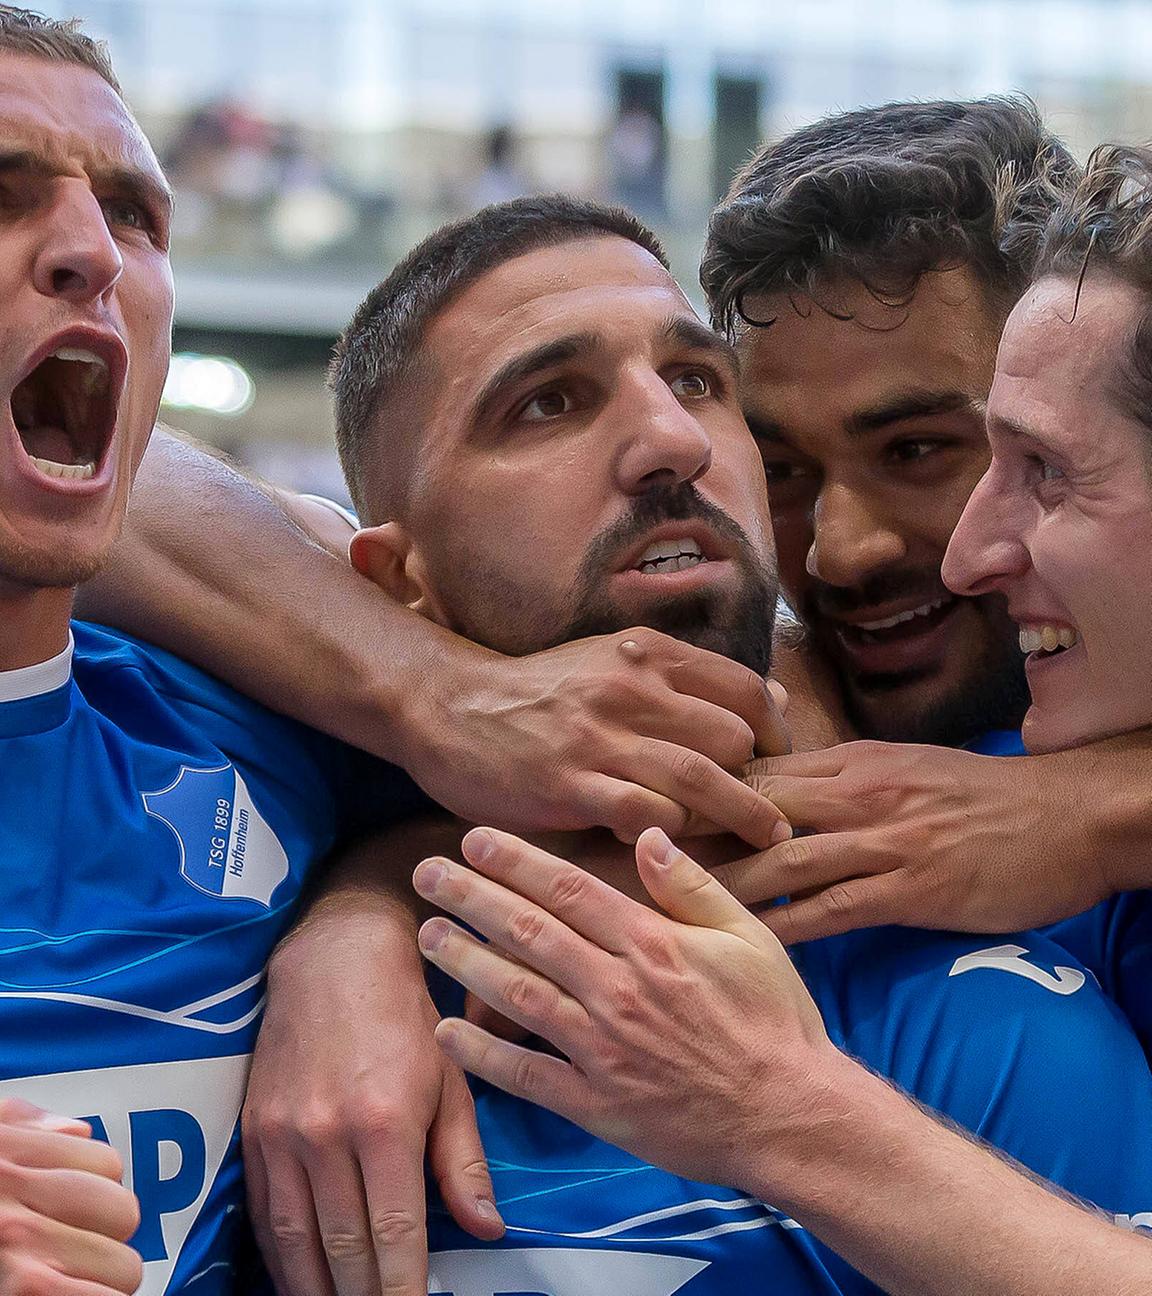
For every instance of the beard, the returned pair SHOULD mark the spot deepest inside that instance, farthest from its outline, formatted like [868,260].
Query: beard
[737,623]
[26,568]
[993,693]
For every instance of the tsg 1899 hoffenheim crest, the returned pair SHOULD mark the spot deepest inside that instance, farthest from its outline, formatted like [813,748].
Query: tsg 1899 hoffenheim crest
[226,847]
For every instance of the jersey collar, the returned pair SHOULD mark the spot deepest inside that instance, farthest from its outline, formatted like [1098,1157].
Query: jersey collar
[35,681]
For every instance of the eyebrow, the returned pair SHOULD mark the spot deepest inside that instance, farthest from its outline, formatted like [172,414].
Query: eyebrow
[691,332]
[135,183]
[910,405]
[536,361]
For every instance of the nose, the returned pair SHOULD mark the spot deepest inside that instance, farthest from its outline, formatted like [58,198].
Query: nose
[666,445]
[850,541]
[987,548]
[77,260]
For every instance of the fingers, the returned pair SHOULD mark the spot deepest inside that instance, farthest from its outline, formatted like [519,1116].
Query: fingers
[512,989]
[820,804]
[89,1258]
[847,906]
[799,865]
[733,687]
[82,1201]
[396,1241]
[479,1014]
[456,1159]
[536,1077]
[538,907]
[707,791]
[42,1146]
[689,893]
[825,763]
[284,1221]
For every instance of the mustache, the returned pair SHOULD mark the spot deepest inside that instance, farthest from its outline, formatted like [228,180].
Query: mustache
[679,503]
[884,587]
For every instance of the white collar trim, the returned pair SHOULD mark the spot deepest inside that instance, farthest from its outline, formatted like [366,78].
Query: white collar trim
[44,677]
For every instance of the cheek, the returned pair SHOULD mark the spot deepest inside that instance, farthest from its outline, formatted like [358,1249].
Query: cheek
[793,533]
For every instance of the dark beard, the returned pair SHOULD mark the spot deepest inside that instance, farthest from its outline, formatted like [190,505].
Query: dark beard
[738,626]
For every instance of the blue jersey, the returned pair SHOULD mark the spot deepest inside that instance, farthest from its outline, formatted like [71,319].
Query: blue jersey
[155,829]
[1008,1036]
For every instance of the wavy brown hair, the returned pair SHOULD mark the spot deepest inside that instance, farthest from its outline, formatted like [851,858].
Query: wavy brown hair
[883,196]
[1104,225]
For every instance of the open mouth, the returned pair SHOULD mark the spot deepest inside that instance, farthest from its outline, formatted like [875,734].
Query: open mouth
[1045,641]
[673,555]
[903,625]
[65,412]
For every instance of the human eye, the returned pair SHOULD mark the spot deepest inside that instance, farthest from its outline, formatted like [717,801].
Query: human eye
[127,213]
[545,405]
[910,450]
[693,385]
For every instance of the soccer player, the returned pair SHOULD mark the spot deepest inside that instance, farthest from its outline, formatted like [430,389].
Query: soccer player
[864,267]
[156,827]
[1060,525]
[578,461]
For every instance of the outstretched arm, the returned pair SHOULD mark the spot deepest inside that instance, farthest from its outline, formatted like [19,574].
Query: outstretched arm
[622,993]
[931,837]
[594,733]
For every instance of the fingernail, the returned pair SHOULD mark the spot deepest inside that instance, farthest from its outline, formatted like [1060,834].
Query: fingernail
[486,1207]
[432,935]
[480,844]
[782,832]
[663,852]
[429,874]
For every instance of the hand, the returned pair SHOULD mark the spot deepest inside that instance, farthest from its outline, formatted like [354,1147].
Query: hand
[692,1041]
[621,731]
[925,837]
[346,1089]
[65,1218]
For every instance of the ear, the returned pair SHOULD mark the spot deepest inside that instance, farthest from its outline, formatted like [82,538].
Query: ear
[387,556]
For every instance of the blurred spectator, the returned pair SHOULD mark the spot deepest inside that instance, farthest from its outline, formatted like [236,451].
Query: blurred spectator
[635,157]
[503,177]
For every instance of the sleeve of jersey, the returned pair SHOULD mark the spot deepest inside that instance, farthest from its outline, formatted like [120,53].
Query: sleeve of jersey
[1013,1039]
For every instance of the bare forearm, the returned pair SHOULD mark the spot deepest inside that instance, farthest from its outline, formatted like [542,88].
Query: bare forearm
[924,1211]
[176,580]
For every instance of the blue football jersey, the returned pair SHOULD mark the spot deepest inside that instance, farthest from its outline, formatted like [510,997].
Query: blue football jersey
[1008,1036]
[155,830]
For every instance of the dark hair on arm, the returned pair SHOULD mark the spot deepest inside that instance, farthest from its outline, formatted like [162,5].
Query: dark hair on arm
[1104,224]
[381,346]
[883,196]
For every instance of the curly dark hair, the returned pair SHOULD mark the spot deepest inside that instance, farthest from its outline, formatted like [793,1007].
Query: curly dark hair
[885,195]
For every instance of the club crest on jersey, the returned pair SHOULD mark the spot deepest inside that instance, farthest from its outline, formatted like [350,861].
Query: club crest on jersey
[227,848]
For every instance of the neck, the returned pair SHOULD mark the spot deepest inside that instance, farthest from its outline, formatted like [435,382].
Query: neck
[35,624]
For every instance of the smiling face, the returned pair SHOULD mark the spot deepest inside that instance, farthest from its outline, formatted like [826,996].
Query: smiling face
[87,315]
[872,433]
[583,464]
[1062,522]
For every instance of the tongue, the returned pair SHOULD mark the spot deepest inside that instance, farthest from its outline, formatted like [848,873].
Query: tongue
[47,442]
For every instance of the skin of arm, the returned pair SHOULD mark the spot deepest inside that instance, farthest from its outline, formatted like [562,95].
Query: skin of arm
[620,731]
[934,837]
[346,1079]
[620,991]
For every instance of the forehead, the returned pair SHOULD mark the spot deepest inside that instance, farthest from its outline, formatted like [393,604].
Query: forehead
[811,366]
[608,285]
[1069,338]
[69,117]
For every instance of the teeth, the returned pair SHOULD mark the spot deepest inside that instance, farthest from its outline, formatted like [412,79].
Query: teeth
[889,622]
[1046,638]
[50,468]
[670,555]
[97,374]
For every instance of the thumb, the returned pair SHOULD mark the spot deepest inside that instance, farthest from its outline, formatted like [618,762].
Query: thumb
[690,894]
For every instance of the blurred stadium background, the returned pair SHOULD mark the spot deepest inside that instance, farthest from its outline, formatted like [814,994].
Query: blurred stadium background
[311,142]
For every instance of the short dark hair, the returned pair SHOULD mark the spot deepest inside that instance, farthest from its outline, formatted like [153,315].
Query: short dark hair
[1105,224]
[378,349]
[883,196]
[23,31]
